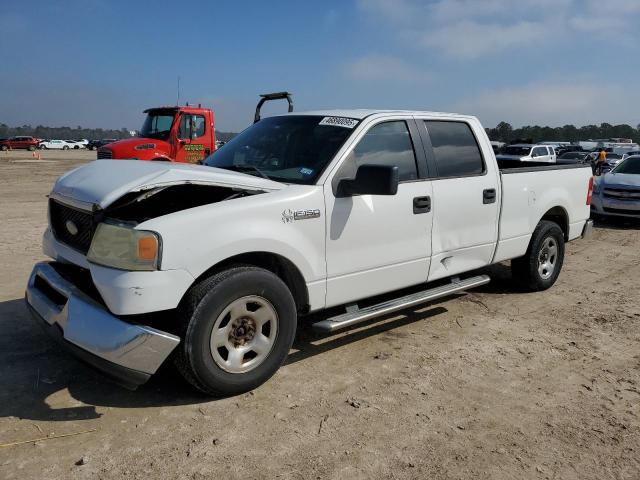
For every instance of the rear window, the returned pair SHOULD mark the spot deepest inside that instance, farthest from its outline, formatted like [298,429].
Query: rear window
[455,149]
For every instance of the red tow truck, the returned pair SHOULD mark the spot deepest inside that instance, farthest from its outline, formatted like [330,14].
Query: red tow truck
[177,134]
[173,134]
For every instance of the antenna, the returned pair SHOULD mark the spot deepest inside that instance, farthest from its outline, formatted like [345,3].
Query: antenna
[178,94]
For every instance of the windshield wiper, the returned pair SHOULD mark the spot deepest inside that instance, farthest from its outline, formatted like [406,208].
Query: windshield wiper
[245,167]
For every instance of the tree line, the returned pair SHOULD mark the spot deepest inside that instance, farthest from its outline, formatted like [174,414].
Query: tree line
[78,133]
[504,132]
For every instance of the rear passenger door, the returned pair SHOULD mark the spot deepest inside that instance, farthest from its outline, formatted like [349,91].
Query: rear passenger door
[465,198]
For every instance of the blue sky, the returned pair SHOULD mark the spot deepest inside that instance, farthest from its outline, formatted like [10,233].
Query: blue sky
[99,63]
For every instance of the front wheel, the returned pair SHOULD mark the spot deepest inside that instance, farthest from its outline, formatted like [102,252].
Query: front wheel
[66,147]
[237,327]
[32,148]
[43,147]
[539,268]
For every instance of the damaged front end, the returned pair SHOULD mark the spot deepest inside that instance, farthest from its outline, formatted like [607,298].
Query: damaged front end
[106,279]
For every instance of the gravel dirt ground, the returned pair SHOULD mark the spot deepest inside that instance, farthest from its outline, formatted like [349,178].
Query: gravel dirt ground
[492,384]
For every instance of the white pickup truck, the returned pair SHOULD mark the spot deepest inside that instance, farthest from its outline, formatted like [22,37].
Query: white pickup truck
[213,264]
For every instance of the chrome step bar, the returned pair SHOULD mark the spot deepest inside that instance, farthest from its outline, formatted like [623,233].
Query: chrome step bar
[353,317]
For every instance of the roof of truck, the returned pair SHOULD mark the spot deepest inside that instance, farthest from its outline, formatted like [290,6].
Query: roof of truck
[365,112]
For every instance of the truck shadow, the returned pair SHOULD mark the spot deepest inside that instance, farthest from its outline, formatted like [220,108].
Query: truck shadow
[616,223]
[35,371]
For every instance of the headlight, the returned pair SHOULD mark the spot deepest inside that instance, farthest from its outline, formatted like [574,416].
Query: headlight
[125,248]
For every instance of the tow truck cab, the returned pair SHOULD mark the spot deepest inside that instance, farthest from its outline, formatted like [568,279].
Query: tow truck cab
[176,134]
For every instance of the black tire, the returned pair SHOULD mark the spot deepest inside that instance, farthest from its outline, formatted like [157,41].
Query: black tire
[199,311]
[529,271]
[32,148]
[43,147]
[65,147]
[4,148]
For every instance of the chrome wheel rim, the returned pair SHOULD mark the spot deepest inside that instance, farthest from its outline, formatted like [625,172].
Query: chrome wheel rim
[547,258]
[244,333]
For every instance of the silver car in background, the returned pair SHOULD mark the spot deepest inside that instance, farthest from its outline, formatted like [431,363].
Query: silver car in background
[617,193]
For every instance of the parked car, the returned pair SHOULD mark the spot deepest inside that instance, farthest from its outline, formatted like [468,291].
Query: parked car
[96,144]
[632,153]
[56,145]
[570,148]
[21,142]
[617,193]
[300,213]
[527,153]
[572,157]
[75,144]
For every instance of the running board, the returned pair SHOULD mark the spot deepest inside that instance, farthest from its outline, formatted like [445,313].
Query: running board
[351,318]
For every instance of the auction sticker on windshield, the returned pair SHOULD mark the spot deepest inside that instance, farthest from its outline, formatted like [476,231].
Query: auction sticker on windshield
[339,122]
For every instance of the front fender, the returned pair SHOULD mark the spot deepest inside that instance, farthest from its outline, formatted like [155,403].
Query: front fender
[201,237]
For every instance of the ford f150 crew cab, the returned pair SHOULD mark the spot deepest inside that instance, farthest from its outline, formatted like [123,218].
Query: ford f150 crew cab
[212,265]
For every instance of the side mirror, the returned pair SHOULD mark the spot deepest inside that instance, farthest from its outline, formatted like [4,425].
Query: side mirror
[370,180]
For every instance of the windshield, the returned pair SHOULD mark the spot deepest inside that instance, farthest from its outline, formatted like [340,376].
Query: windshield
[631,165]
[292,148]
[157,125]
[520,151]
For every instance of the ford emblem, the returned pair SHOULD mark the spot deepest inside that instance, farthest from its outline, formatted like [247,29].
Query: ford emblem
[71,227]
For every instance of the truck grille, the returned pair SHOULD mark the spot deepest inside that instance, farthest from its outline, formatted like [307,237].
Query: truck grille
[104,153]
[71,226]
[623,211]
[621,194]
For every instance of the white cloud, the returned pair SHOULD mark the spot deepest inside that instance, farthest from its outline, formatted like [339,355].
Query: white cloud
[470,39]
[473,28]
[385,68]
[554,104]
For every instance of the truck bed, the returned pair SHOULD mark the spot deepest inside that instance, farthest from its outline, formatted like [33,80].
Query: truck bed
[508,166]
[531,192]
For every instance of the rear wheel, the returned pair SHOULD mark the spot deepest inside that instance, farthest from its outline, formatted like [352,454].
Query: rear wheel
[43,147]
[4,148]
[539,268]
[237,328]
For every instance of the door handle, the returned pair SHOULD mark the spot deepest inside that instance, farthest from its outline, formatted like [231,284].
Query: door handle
[421,205]
[489,195]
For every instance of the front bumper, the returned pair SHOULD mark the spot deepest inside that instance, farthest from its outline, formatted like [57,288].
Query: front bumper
[127,352]
[628,208]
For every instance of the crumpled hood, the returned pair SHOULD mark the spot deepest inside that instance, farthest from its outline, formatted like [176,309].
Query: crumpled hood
[102,182]
[620,180]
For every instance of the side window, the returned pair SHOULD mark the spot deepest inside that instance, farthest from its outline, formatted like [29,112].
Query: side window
[191,126]
[539,152]
[551,151]
[455,149]
[387,143]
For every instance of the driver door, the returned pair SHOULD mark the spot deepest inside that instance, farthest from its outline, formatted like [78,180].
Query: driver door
[191,138]
[378,243]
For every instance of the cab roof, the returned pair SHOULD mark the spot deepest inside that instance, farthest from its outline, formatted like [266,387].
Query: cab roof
[362,113]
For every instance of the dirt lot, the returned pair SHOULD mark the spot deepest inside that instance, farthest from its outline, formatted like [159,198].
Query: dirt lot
[493,384]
